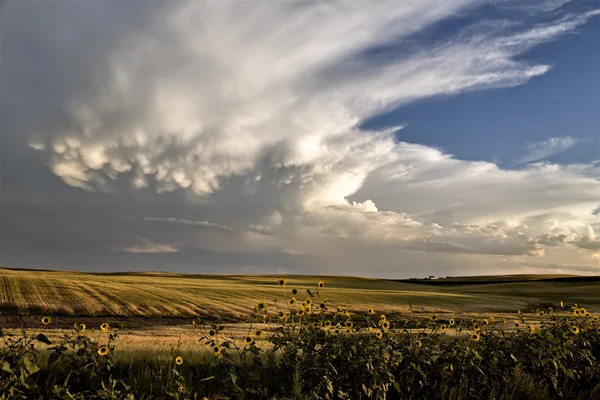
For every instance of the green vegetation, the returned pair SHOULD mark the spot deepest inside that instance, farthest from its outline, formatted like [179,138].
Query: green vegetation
[303,345]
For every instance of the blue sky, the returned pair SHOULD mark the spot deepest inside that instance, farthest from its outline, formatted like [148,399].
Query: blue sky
[384,138]
[496,125]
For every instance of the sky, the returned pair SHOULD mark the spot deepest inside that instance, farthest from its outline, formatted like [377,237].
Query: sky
[383,139]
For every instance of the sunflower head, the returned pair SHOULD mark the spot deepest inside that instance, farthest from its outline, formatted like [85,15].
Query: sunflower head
[323,306]
[82,327]
[212,332]
[435,317]
[46,320]
[258,333]
[178,360]
[180,389]
[517,324]
[574,330]
[216,350]
[386,358]
[378,334]
[451,321]
[385,325]
[300,312]
[531,329]
[261,306]
[475,337]
[104,326]
[281,282]
[443,327]
[418,343]
[576,312]
[348,324]
[491,319]
[248,340]
[294,291]
[382,317]
[281,315]
[292,301]
[321,284]
[371,311]
[102,350]
[485,322]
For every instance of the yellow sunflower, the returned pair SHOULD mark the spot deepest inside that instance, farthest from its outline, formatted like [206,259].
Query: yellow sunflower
[371,311]
[348,324]
[574,330]
[216,350]
[46,320]
[212,332]
[531,329]
[517,324]
[248,340]
[178,360]
[418,343]
[292,301]
[435,317]
[82,327]
[102,350]
[180,389]
[485,322]
[451,321]
[385,325]
[378,334]
[576,312]
[261,306]
[386,358]
[294,291]
[475,337]
[491,319]
[281,282]
[300,312]
[321,284]
[104,327]
[258,333]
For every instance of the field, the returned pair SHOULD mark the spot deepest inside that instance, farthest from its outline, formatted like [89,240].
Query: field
[164,295]
[357,338]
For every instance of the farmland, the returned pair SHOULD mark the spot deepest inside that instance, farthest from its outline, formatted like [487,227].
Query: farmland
[168,295]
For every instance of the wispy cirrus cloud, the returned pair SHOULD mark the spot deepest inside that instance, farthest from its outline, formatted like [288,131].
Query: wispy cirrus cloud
[546,148]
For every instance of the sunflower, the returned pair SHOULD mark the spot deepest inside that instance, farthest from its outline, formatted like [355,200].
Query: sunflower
[386,358]
[267,319]
[347,314]
[212,332]
[485,322]
[435,317]
[323,306]
[258,333]
[216,350]
[382,317]
[517,324]
[248,340]
[588,315]
[46,320]
[348,330]
[576,312]
[348,324]
[292,301]
[582,311]
[409,310]
[491,319]
[308,301]
[443,327]
[385,325]
[82,327]
[378,334]
[550,310]
[261,306]
[102,350]
[418,343]
[371,311]
[475,337]
[357,328]
[281,282]
[531,329]
[562,305]
[178,360]
[321,284]
[451,321]
[300,312]
[569,341]
[180,389]
[476,328]
[370,329]
[104,327]
[574,330]
[595,318]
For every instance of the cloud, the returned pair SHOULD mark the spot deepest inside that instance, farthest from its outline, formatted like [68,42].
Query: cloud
[546,148]
[251,116]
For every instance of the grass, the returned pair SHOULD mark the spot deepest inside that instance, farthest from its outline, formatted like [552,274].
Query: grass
[170,295]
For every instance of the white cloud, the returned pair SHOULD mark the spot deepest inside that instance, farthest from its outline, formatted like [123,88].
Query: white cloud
[543,149]
[256,109]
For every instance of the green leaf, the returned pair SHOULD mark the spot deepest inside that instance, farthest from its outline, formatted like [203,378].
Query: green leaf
[42,338]
[6,367]
[207,379]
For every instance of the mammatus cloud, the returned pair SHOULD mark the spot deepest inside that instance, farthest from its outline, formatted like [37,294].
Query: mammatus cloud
[257,108]
[546,148]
